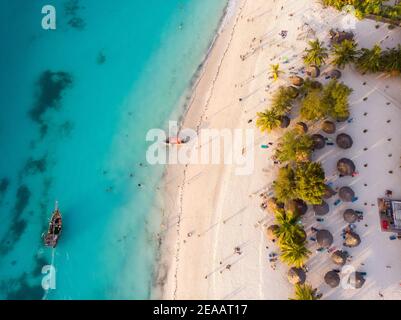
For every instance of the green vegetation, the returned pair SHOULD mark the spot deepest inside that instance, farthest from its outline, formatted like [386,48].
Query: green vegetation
[289,230]
[329,101]
[370,60]
[305,182]
[284,186]
[268,120]
[294,254]
[305,292]
[282,102]
[316,54]
[309,180]
[275,70]
[294,147]
[344,53]
[391,60]
[374,7]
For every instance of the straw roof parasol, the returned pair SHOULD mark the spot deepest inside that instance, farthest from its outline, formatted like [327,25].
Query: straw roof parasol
[344,141]
[316,84]
[335,74]
[313,71]
[302,126]
[324,238]
[329,192]
[336,37]
[339,257]
[350,216]
[321,209]
[271,232]
[332,279]
[297,206]
[272,205]
[329,127]
[296,81]
[296,276]
[356,279]
[285,122]
[346,194]
[352,239]
[318,141]
[346,167]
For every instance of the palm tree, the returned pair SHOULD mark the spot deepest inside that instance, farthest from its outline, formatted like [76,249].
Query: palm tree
[344,53]
[289,230]
[370,60]
[275,70]
[268,120]
[391,60]
[305,292]
[316,54]
[294,254]
[282,101]
[294,146]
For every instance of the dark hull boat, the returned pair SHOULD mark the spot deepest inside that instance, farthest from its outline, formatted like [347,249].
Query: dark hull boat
[54,231]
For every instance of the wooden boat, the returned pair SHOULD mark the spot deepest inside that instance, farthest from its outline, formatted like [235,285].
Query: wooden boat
[54,231]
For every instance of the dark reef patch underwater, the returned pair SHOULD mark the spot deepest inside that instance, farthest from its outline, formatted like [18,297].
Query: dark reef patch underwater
[51,88]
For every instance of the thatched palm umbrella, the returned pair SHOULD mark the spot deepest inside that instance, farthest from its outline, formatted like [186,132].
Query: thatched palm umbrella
[272,205]
[335,74]
[296,276]
[350,216]
[344,141]
[316,84]
[346,167]
[321,209]
[297,206]
[339,257]
[313,71]
[329,192]
[302,126]
[346,194]
[332,279]
[285,122]
[318,141]
[329,127]
[356,279]
[271,232]
[324,238]
[336,37]
[293,92]
[296,81]
[352,239]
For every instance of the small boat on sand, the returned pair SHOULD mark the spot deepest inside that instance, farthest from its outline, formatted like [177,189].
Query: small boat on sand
[54,231]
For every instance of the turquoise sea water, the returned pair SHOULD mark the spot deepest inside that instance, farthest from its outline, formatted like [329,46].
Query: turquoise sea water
[75,106]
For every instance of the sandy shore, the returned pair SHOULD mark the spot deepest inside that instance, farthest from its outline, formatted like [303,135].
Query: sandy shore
[220,210]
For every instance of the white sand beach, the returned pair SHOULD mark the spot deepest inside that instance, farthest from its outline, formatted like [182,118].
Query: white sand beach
[209,210]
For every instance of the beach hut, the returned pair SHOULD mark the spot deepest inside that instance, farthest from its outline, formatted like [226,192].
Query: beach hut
[285,122]
[324,238]
[346,194]
[328,127]
[339,257]
[350,216]
[344,141]
[313,71]
[321,209]
[302,126]
[296,81]
[332,279]
[293,92]
[334,74]
[352,239]
[345,167]
[318,141]
[296,276]
[356,280]
[271,232]
[329,192]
